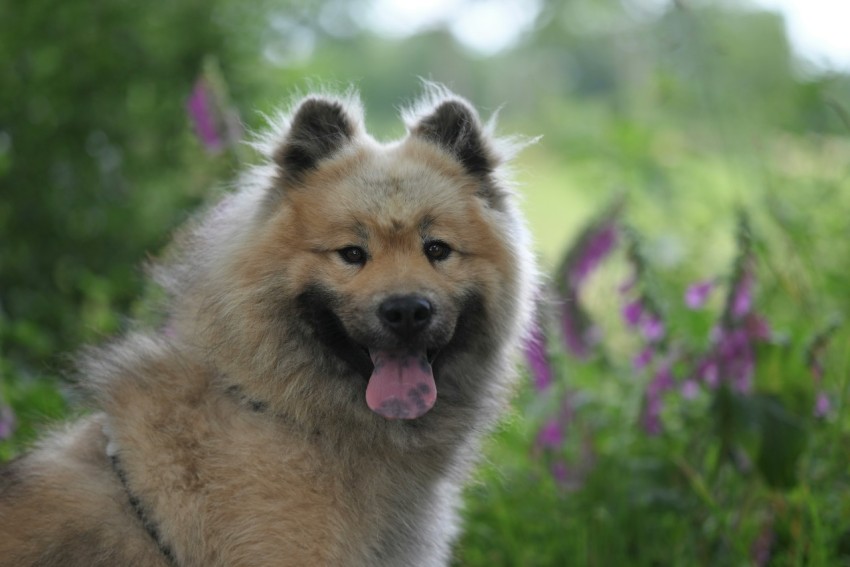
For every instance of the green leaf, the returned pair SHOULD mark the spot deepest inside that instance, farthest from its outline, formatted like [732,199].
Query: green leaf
[783,439]
[781,372]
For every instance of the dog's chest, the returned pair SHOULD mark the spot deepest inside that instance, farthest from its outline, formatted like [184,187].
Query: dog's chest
[288,502]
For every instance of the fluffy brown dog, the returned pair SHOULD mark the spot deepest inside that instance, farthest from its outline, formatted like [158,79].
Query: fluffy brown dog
[341,332]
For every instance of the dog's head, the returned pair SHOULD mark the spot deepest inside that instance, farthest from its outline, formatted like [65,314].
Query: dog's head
[395,258]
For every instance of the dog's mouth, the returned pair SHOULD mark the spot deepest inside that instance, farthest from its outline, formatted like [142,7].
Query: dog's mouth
[401,383]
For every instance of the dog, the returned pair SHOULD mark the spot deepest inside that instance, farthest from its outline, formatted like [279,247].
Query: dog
[340,333]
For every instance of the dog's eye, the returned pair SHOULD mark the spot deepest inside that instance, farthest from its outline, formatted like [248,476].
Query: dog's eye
[353,255]
[437,250]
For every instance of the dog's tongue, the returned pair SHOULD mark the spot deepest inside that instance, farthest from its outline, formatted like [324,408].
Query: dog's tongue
[402,384]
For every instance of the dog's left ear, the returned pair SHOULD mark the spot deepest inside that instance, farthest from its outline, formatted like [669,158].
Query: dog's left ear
[454,126]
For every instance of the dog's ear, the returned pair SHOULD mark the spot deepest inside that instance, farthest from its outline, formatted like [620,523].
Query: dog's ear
[454,126]
[319,128]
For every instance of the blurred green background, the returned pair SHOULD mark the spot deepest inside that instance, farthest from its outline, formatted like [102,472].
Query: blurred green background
[691,111]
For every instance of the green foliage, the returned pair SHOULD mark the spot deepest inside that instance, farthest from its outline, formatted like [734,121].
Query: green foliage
[93,97]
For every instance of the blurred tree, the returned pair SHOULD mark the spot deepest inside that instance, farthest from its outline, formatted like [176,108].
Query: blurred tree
[96,159]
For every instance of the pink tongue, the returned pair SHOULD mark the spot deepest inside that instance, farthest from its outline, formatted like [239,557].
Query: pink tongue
[402,385]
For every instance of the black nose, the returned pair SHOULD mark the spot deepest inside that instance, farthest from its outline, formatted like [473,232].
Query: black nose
[405,315]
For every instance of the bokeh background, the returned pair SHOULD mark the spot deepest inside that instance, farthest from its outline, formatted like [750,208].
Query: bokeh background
[684,398]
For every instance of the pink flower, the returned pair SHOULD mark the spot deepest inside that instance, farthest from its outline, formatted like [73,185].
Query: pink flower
[661,382]
[593,249]
[651,417]
[757,327]
[537,359]
[741,300]
[823,405]
[632,312]
[643,358]
[708,373]
[202,111]
[561,472]
[736,359]
[697,294]
[551,435]
[216,122]
[652,328]
[579,333]
[690,389]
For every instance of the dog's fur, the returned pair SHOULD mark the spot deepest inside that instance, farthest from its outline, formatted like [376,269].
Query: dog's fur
[238,433]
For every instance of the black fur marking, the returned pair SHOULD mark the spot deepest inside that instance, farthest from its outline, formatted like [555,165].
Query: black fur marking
[148,524]
[315,305]
[454,127]
[258,406]
[469,332]
[319,129]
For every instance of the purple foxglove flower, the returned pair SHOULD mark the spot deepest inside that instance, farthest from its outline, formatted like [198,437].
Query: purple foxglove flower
[690,389]
[757,327]
[652,328]
[632,312]
[697,294]
[579,335]
[651,418]
[823,405]
[742,302]
[742,293]
[735,359]
[561,472]
[643,358]
[551,435]
[205,116]
[707,371]
[660,383]
[537,359]
[7,422]
[593,249]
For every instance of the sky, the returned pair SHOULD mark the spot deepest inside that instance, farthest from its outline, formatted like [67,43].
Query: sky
[819,30]
[485,26]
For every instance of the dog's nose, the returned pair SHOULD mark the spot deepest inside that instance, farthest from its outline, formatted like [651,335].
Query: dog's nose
[405,315]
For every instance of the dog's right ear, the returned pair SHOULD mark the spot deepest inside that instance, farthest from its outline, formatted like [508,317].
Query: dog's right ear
[319,128]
